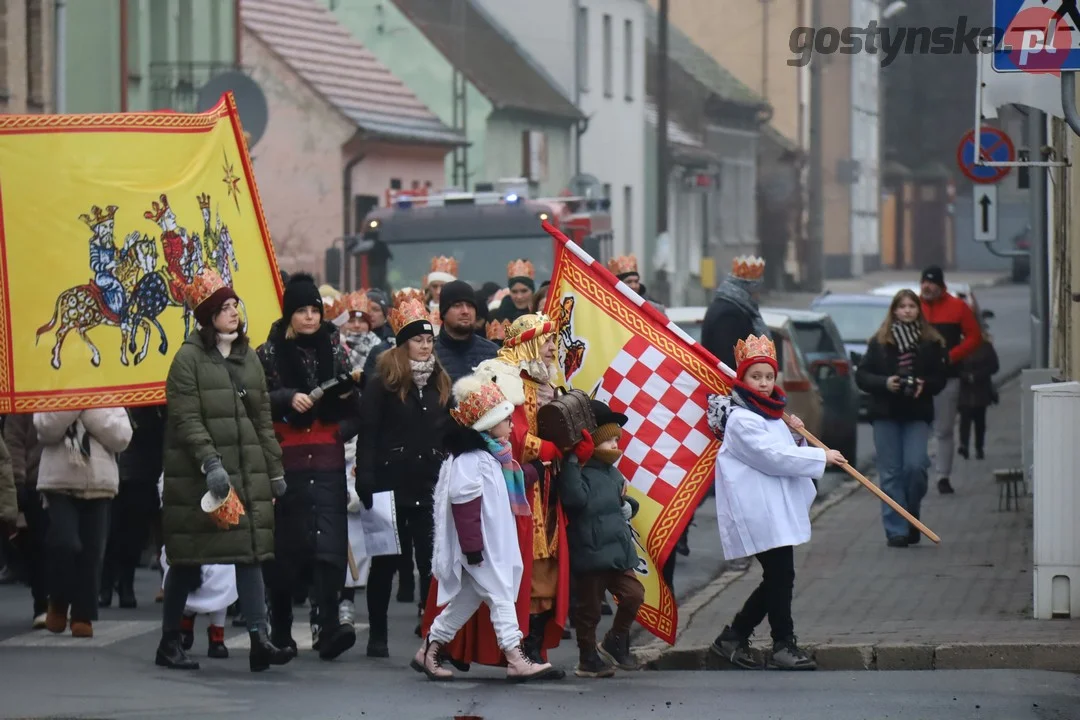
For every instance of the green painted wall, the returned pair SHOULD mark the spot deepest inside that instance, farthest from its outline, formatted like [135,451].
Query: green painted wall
[188,40]
[650,196]
[401,47]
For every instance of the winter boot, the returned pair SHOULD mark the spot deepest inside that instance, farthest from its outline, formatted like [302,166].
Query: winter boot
[377,646]
[787,655]
[336,640]
[56,618]
[281,632]
[591,665]
[126,589]
[264,653]
[187,631]
[616,650]
[82,629]
[520,668]
[105,590]
[170,653]
[429,660]
[535,639]
[216,649]
[730,646]
[945,487]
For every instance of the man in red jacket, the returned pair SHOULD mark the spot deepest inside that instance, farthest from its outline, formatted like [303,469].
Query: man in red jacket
[956,321]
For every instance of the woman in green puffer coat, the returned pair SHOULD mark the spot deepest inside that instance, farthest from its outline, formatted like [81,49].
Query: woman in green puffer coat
[218,435]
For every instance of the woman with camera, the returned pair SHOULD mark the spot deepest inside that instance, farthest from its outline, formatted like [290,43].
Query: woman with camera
[904,367]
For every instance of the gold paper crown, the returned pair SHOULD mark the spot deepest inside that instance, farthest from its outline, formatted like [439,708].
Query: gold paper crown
[333,307]
[622,265]
[442,264]
[204,201]
[206,283]
[520,268]
[754,347]
[157,210]
[98,216]
[477,404]
[496,330]
[357,303]
[748,267]
[409,307]
[528,327]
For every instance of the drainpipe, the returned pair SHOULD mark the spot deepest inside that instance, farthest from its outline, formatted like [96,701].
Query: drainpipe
[346,217]
[578,129]
[60,57]
[238,33]
[123,57]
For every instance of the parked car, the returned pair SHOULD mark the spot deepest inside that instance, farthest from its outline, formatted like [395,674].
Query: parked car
[820,343]
[960,290]
[857,318]
[804,398]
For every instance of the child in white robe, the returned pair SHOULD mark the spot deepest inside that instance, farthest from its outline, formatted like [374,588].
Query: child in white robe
[476,556]
[764,489]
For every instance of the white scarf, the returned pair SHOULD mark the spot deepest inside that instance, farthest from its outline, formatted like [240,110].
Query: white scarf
[225,342]
[421,371]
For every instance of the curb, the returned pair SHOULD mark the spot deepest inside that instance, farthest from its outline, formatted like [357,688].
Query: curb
[1056,657]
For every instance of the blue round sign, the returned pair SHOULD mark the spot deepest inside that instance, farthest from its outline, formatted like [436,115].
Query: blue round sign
[996,146]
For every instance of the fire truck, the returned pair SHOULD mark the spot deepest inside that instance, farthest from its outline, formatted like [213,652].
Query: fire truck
[483,230]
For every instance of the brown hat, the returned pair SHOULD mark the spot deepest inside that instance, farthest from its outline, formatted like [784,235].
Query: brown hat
[608,431]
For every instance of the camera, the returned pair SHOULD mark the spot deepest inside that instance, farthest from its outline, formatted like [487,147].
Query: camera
[908,386]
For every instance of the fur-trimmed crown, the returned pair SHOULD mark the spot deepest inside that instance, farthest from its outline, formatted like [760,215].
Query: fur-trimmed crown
[409,307]
[520,268]
[206,283]
[481,405]
[528,327]
[622,265]
[748,267]
[754,347]
[443,264]
[357,303]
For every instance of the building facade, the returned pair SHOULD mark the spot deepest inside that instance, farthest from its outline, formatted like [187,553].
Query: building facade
[460,62]
[594,51]
[26,56]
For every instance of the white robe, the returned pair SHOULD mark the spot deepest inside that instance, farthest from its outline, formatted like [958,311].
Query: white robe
[356,528]
[763,485]
[461,479]
[217,591]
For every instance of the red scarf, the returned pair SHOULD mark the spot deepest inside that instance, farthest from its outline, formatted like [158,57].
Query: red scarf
[771,408]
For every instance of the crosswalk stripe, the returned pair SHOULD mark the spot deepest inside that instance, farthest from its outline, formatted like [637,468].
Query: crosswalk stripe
[106,632]
[301,634]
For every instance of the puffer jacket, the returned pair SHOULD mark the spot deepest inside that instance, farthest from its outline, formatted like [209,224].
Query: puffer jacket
[79,448]
[209,418]
[459,357]
[599,536]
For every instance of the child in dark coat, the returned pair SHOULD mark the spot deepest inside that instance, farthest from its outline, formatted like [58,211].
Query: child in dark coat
[976,394]
[602,550]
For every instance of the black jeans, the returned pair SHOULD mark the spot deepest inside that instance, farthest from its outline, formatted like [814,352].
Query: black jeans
[75,549]
[416,524]
[772,597]
[969,416]
[133,511]
[31,544]
[323,579]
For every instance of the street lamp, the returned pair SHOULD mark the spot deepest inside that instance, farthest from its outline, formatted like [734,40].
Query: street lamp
[893,9]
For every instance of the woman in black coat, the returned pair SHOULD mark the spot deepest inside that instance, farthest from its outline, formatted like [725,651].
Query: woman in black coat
[903,368]
[404,414]
[976,394]
[302,353]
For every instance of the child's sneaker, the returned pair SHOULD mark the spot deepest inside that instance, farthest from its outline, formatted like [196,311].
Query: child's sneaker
[736,650]
[616,650]
[787,655]
[591,665]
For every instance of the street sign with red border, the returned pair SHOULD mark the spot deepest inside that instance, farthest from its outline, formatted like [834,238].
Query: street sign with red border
[996,146]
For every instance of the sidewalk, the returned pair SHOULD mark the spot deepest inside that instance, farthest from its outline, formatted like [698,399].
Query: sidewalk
[866,283]
[965,603]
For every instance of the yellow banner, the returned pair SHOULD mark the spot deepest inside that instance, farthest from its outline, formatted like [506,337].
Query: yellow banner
[104,219]
[629,356]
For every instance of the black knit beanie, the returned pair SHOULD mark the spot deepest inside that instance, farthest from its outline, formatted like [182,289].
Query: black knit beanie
[301,291]
[454,292]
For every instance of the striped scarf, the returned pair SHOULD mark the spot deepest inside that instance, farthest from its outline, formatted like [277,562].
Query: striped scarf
[512,474]
[906,335]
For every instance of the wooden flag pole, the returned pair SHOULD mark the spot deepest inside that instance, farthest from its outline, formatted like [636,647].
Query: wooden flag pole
[354,569]
[871,487]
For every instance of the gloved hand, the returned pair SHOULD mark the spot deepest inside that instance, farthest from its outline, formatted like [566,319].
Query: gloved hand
[474,558]
[584,448]
[277,486]
[366,493]
[354,500]
[627,511]
[217,480]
